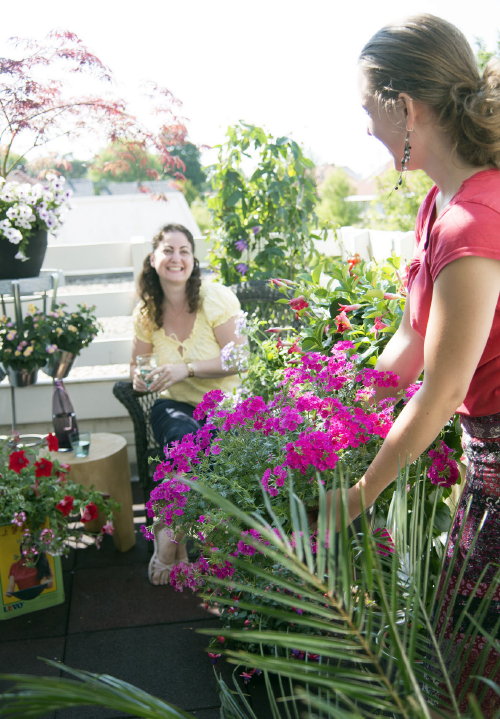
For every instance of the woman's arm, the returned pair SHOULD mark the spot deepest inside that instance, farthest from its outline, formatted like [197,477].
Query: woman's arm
[464,300]
[403,354]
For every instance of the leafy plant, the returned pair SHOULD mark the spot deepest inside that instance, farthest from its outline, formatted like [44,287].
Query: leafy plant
[24,343]
[320,420]
[71,331]
[263,206]
[38,497]
[357,621]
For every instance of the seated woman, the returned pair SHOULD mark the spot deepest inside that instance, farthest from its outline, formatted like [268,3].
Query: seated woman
[185,322]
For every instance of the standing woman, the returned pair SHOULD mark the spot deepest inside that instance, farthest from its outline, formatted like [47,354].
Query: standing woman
[428,104]
[185,322]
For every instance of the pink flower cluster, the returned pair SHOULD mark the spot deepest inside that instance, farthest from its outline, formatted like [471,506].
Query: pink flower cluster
[443,470]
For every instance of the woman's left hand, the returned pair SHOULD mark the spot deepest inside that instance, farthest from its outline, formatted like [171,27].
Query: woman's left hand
[165,376]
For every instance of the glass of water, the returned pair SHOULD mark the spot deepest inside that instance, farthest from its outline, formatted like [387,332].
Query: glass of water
[146,364]
[82,446]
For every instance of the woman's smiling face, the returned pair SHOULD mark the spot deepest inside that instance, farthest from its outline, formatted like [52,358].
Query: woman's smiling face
[173,258]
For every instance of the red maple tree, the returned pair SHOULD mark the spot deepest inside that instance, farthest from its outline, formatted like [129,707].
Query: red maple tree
[37,107]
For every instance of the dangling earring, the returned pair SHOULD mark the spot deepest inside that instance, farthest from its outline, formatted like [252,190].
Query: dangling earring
[404,160]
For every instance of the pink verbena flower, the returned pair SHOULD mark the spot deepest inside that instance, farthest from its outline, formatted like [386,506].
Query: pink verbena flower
[443,470]
[273,479]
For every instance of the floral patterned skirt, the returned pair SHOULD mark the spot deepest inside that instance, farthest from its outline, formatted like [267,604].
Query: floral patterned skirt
[475,542]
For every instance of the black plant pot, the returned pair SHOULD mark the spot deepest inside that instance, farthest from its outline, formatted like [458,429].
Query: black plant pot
[12,269]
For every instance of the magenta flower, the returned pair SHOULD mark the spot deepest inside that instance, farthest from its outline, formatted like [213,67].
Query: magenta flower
[444,470]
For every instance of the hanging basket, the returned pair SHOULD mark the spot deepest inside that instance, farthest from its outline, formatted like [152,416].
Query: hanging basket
[59,364]
[22,377]
[12,269]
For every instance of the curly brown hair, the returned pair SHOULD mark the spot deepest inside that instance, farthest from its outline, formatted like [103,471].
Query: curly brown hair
[149,287]
[430,59]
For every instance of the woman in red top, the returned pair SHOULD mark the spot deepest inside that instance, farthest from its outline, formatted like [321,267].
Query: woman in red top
[428,104]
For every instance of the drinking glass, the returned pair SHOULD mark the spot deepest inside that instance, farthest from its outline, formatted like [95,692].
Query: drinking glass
[82,446]
[146,364]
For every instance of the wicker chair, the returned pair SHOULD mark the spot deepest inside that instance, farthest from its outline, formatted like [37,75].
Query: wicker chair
[138,405]
[257,298]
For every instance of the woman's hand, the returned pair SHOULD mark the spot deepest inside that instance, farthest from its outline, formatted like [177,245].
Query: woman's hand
[353,508]
[161,378]
[138,382]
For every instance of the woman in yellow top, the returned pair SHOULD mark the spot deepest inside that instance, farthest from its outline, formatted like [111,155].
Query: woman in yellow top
[185,322]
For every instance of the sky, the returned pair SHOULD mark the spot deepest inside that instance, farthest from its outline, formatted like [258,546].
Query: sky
[288,66]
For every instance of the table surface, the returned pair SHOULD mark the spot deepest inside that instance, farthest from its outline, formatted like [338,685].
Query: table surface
[102,445]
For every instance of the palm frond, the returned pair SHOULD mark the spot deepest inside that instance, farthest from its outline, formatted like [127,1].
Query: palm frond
[369,617]
[35,696]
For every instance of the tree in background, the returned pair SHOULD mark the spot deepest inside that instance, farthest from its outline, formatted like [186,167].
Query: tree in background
[397,209]
[66,165]
[333,210]
[37,110]
[193,170]
[125,161]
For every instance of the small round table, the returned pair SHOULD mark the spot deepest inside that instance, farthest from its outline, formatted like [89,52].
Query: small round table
[107,469]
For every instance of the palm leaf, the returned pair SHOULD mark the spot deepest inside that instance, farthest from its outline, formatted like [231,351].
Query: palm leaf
[34,696]
[371,619]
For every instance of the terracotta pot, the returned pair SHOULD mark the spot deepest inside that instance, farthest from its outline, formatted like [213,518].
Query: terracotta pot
[59,364]
[22,377]
[12,269]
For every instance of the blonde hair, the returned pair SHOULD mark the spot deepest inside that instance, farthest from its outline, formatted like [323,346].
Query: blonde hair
[430,59]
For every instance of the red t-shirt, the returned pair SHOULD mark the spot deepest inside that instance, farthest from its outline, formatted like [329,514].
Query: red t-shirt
[468,225]
[25,577]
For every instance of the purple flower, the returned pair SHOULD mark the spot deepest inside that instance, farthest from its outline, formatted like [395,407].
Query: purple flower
[242,268]
[241,245]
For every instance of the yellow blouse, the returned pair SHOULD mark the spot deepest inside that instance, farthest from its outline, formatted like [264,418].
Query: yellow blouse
[218,304]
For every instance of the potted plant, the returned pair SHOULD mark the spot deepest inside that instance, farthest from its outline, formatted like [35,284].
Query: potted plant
[27,213]
[68,334]
[41,509]
[24,346]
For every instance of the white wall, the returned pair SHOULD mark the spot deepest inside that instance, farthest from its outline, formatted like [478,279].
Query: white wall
[99,219]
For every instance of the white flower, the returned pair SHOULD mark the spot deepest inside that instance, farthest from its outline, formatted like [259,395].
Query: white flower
[13,235]
[234,357]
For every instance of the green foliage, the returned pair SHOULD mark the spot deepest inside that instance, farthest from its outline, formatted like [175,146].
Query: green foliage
[483,55]
[193,170]
[397,209]
[263,206]
[332,209]
[355,623]
[373,294]
[201,213]
[124,161]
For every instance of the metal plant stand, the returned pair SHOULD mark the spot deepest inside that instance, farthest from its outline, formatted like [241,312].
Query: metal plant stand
[29,289]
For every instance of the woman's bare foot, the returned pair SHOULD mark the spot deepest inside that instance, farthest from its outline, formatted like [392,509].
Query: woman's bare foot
[164,556]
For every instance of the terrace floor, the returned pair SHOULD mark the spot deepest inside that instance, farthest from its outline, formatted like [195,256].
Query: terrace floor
[113,621]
